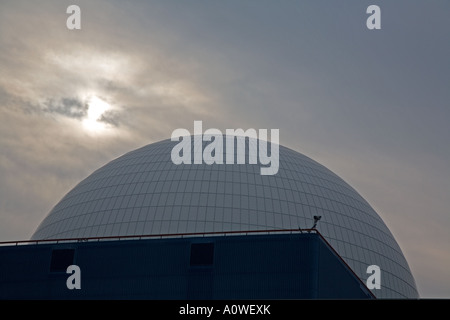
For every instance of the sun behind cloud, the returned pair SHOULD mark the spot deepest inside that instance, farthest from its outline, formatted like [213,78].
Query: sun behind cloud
[96,108]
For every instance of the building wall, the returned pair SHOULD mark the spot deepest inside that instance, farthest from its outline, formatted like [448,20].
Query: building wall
[281,266]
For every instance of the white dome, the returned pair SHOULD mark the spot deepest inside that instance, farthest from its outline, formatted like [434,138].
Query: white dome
[143,192]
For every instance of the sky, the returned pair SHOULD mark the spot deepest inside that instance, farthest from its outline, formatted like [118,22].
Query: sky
[371,105]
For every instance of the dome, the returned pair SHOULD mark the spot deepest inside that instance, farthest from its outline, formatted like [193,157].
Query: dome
[144,192]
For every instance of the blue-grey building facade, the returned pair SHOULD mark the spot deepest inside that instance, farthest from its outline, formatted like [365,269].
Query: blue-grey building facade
[266,266]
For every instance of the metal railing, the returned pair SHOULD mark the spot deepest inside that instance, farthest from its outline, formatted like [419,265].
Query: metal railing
[160,236]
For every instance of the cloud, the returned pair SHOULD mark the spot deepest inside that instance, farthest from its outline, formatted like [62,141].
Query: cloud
[48,76]
[69,107]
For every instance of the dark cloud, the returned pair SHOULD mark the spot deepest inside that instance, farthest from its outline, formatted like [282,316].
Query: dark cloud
[68,107]
[111,118]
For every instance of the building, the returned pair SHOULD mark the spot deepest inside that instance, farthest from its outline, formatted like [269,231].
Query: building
[216,209]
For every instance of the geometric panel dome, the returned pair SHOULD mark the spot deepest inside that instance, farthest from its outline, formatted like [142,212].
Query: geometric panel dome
[144,192]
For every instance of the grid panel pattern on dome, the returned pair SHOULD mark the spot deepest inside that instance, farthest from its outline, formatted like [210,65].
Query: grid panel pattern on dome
[143,192]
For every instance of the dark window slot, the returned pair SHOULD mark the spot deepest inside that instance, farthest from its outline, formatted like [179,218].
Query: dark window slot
[61,259]
[202,254]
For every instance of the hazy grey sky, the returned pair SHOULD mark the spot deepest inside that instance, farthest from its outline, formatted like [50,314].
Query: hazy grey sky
[371,105]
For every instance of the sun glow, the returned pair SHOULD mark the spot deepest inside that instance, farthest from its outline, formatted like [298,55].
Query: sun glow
[96,108]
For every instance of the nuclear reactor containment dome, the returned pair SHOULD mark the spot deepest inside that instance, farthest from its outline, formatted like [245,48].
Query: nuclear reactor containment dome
[144,192]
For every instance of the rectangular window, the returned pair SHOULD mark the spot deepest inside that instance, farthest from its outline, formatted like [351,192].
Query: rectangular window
[202,254]
[61,259]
